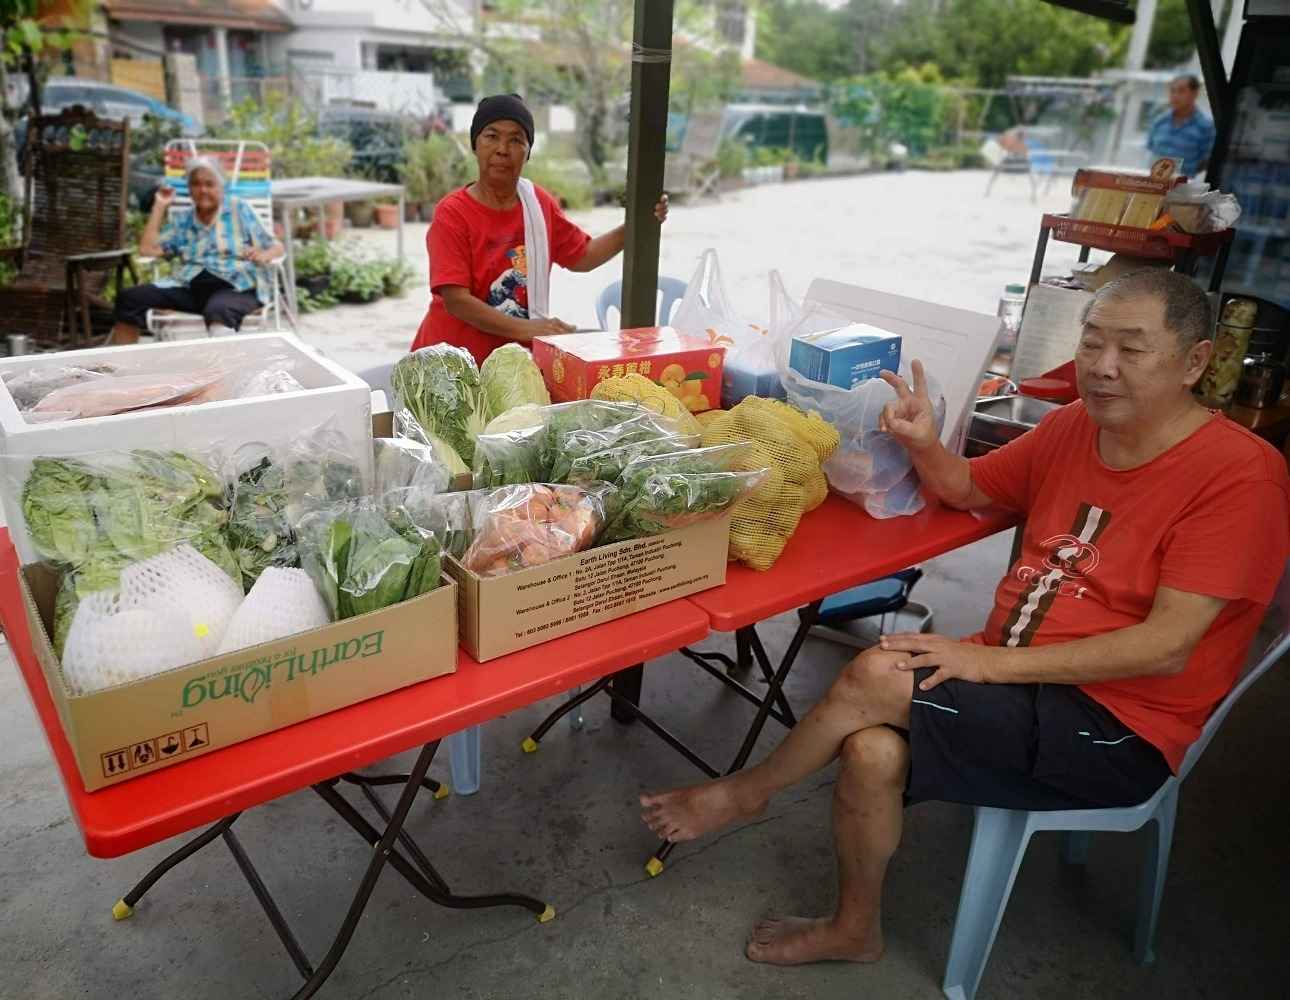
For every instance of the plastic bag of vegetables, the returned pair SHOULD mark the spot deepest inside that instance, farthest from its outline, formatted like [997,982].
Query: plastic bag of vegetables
[450,517]
[440,387]
[325,466]
[658,493]
[608,465]
[511,378]
[520,527]
[402,463]
[512,447]
[259,527]
[589,426]
[360,561]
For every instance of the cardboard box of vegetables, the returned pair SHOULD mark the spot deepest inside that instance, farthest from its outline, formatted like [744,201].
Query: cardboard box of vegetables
[186,601]
[582,511]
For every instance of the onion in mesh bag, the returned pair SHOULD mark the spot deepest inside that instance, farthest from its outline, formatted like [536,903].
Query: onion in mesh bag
[169,611]
[282,602]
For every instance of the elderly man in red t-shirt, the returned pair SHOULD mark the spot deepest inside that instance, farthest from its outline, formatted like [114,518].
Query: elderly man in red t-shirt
[482,270]
[1156,532]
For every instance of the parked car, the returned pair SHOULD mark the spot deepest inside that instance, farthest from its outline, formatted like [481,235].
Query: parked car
[376,137]
[765,126]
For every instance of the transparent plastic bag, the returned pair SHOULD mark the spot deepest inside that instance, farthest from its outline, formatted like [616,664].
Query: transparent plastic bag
[402,463]
[360,561]
[510,457]
[753,364]
[27,388]
[868,462]
[450,517]
[520,527]
[259,529]
[160,380]
[658,493]
[587,427]
[325,466]
[608,465]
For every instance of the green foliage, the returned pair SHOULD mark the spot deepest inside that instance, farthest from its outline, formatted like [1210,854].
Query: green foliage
[148,142]
[1171,42]
[912,107]
[353,274]
[291,134]
[434,167]
[809,38]
[308,302]
[732,158]
[562,181]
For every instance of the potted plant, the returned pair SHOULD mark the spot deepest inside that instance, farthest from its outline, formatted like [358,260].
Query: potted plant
[313,266]
[432,168]
[387,214]
[360,213]
[359,280]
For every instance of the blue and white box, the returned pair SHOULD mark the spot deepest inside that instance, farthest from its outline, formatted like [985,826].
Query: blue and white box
[845,357]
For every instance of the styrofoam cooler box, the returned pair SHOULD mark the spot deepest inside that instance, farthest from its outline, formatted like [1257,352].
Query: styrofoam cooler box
[331,395]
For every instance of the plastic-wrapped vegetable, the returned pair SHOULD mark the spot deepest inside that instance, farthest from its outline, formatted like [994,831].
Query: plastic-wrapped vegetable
[520,527]
[638,389]
[450,517]
[259,527]
[587,426]
[440,387]
[658,493]
[324,467]
[608,465]
[509,457]
[359,561]
[511,378]
[402,463]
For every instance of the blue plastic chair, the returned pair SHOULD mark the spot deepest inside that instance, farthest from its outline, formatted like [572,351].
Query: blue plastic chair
[671,290]
[1000,836]
[464,756]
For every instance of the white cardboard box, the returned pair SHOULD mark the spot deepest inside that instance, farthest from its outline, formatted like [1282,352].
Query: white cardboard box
[955,345]
[331,395]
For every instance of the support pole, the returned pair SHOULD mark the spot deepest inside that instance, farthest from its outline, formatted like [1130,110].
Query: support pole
[1211,59]
[646,141]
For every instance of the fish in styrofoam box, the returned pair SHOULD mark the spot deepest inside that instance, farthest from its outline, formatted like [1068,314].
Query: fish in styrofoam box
[845,357]
[689,367]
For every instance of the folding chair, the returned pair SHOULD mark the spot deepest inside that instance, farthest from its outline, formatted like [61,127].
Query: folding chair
[879,599]
[1000,836]
[247,169]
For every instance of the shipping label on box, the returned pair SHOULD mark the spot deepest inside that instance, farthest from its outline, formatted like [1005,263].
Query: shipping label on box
[573,364]
[845,357]
[503,614]
[124,731]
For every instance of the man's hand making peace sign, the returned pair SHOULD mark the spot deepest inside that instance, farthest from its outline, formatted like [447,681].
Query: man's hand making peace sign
[911,420]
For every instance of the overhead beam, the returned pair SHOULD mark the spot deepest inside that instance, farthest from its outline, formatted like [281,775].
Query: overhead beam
[646,146]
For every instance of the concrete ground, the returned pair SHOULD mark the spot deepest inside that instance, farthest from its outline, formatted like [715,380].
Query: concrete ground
[562,824]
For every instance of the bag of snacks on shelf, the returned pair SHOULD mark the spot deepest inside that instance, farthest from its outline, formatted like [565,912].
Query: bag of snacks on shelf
[1218,384]
[520,527]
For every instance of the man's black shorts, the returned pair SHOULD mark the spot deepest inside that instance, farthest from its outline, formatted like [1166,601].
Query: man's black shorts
[1024,746]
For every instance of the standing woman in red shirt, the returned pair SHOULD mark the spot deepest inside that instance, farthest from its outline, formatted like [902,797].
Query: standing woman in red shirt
[492,243]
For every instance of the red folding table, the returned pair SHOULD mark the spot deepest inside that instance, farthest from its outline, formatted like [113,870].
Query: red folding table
[836,546]
[324,751]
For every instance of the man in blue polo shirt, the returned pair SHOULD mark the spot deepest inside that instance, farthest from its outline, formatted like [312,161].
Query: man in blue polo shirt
[1183,132]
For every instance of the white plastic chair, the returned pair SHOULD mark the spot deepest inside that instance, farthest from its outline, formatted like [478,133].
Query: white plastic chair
[671,290]
[247,168]
[1000,836]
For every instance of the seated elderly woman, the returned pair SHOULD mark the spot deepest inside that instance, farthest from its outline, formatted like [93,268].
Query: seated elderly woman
[223,251]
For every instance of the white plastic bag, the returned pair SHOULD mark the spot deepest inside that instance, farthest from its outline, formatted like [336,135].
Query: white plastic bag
[870,467]
[706,312]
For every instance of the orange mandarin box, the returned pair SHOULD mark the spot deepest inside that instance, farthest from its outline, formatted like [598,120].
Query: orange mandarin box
[688,367]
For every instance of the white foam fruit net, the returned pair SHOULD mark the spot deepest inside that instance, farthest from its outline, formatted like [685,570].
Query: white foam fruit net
[282,602]
[170,610]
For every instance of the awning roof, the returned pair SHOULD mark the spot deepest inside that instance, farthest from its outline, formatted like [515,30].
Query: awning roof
[251,15]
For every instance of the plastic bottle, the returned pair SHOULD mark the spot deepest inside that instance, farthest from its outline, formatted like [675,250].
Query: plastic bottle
[1011,304]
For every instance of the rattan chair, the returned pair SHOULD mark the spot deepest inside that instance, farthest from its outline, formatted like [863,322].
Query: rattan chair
[76,169]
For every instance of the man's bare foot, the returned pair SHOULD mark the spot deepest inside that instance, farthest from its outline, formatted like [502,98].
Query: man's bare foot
[688,813]
[798,940]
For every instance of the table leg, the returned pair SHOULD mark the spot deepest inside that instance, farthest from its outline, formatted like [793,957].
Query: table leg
[531,741]
[268,904]
[626,685]
[289,256]
[125,905]
[399,237]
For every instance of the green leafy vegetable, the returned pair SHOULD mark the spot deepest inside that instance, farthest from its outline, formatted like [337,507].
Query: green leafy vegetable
[440,387]
[259,531]
[658,493]
[58,508]
[360,561]
[511,378]
[576,430]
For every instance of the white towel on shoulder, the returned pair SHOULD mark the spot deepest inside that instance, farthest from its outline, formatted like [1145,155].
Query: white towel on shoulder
[537,251]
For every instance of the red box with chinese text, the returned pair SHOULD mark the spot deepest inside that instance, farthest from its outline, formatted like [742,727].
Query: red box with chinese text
[689,367]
